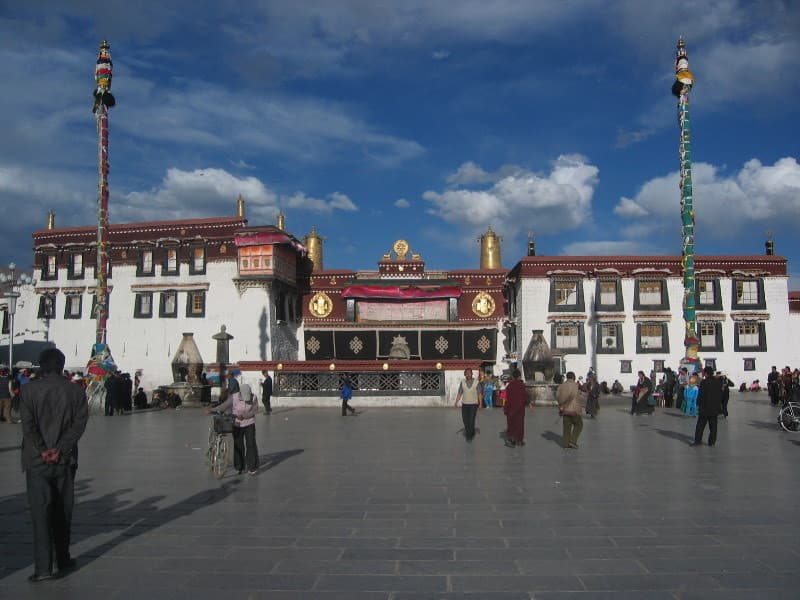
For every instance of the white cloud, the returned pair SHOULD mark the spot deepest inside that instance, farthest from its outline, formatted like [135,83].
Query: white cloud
[199,193]
[441,54]
[557,201]
[756,194]
[469,173]
[402,203]
[337,201]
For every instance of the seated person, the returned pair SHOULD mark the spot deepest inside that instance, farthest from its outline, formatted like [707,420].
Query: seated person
[140,399]
[604,388]
[755,386]
[616,387]
[743,387]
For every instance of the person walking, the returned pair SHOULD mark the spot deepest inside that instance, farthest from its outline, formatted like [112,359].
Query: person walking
[726,392]
[54,415]
[592,396]
[266,392]
[488,391]
[568,397]
[514,409]
[5,396]
[709,400]
[468,397]
[346,393]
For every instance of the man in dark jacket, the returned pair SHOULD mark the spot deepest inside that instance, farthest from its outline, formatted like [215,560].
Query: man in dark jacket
[54,414]
[266,392]
[709,406]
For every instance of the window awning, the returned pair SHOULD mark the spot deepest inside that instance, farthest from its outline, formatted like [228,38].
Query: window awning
[396,292]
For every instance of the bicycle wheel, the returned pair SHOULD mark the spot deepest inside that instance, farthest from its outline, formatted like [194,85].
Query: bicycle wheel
[220,464]
[210,451]
[789,417]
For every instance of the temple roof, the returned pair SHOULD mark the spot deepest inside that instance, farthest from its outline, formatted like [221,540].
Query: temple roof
[121,233]
[669,265]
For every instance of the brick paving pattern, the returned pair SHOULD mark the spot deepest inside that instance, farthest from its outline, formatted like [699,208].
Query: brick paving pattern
[394,505]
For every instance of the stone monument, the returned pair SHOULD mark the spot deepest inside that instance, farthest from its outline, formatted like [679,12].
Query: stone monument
[538,365]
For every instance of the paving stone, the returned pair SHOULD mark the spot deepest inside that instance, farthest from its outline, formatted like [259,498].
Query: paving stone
[386,507]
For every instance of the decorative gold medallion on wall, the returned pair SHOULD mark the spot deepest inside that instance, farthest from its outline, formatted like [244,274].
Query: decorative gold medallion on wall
[483,305]
[320,305]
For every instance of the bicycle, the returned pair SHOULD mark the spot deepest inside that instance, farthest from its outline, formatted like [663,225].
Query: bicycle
[789,417]
[218,453]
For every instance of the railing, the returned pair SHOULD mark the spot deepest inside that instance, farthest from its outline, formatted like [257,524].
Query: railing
[416,383]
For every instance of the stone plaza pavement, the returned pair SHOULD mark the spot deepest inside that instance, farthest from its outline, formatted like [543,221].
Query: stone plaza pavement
[393,504]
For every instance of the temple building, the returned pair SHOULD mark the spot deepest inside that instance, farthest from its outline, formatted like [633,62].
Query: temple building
[621,314]
[402,332]
[167,279]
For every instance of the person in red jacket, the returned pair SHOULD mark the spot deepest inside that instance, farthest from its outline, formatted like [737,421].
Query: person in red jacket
[514,409]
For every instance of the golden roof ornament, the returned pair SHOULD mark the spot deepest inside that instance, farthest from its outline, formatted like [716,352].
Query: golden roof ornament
[401,249]
[313,244]
[490,250]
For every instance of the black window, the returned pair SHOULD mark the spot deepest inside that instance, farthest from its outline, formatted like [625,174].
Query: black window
[566,295]
[72,306]
[6,324]
[710,362]
[707,294]
[608,295]
[750,336]
[197,263]
[650,294]
[143,305]
[652,338]
[47,306]
[145,266]
[75,267]
[196,304]
[168,304]
[748,294]
[170,264]
[569,337]
[49,267]
[94,304]
[749,364]
[710,334]
[609,338]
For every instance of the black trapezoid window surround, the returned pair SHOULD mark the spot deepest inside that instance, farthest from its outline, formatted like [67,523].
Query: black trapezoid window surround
[650,294]
[75,266]
[170,265]
[72,306]
[196,304]
[608,295]
[569,337]
[168,304]
[748,294]
[609,339]
[710,334]
[49,271]
[47,306]
[707,294]
[566,295]
[652,338]
[143,305]
[750,336]
[197,262]
[145,264]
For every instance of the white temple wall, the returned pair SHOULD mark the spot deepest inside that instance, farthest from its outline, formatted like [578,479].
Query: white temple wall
[781,331]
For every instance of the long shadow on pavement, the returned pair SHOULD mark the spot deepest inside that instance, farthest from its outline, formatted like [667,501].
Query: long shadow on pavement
[270,461]
[106,514]
[553,437]
[9,448]
[681,437]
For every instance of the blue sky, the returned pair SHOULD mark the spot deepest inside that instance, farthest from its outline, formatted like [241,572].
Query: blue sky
[419,119]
